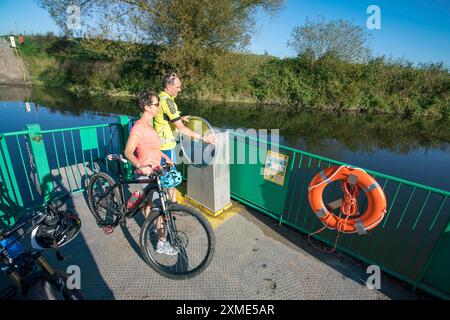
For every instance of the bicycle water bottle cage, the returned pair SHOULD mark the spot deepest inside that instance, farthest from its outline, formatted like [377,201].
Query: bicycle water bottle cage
[171,179]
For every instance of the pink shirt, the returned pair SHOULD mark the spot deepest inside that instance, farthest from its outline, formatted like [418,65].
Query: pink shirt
[148,147]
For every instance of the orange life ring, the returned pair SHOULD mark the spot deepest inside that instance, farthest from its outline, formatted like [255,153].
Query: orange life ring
[376,200]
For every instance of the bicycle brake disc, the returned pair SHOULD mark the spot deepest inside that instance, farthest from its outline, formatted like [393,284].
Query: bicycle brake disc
[181,240]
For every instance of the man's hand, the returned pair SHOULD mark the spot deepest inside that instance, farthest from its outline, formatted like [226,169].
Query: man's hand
[210,139]
[185,118]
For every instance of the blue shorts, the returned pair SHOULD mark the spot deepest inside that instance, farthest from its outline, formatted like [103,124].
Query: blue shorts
[171,154]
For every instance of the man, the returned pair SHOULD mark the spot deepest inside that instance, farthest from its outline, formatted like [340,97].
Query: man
[169,119]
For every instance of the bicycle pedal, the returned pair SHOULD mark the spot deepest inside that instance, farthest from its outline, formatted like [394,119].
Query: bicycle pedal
[108,229]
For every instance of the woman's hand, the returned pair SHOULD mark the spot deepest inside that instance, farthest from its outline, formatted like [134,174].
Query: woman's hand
[146,170]
[170,162]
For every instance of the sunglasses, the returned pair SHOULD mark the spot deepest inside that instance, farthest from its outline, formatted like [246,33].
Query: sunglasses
[173,76]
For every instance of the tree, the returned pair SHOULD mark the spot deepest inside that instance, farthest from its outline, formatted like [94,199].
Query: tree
[341,38]
[192,33]
[197,33]
[65,15]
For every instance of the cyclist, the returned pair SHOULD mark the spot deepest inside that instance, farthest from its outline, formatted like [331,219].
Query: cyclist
[168,120]
[145,142]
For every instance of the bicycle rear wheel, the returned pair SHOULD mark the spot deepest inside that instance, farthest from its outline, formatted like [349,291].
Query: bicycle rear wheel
[104,209]
[193,238]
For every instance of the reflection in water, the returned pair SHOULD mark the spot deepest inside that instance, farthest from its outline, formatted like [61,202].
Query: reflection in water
[15,92]
[414,149]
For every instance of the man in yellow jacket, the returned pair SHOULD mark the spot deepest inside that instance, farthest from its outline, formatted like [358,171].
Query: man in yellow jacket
[168,120]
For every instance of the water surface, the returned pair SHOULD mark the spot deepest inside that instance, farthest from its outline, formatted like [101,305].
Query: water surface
[412,149]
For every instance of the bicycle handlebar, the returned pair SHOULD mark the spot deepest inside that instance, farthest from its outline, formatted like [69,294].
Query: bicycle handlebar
[158,170]
[164,168]
[51,205]
[6,233]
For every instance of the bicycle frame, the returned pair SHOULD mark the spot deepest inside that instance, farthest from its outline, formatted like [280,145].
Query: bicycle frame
[13,271]
[152,185]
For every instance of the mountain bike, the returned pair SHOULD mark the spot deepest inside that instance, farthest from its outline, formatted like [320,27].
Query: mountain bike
[185,229]
[50,228]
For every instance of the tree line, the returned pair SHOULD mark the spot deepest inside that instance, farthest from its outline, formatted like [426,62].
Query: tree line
[132,43]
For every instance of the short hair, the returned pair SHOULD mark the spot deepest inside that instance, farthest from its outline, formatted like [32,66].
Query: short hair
[169,79]
[144,98]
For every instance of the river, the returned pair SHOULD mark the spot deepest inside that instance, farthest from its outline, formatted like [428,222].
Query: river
[412,149]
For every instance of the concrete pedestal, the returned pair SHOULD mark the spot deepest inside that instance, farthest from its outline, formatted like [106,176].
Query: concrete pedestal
[209,186]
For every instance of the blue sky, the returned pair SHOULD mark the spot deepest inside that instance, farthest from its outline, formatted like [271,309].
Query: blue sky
[416,30]
[26,15]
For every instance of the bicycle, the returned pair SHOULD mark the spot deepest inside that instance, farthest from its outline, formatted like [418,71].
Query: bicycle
[50,228]
[186,229]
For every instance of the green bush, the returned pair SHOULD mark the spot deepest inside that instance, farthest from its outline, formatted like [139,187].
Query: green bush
[327,83]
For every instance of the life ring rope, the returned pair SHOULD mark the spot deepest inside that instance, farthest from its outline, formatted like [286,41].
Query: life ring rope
[328,179]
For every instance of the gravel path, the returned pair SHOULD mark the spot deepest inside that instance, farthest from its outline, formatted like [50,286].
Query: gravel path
[12,69]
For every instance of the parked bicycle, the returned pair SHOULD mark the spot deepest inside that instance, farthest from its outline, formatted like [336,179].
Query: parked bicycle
[186,230]
[50,228]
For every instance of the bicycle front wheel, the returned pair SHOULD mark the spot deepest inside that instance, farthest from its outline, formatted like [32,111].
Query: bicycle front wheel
[191,236]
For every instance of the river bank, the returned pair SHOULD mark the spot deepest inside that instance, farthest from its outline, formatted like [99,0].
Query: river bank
[115,69]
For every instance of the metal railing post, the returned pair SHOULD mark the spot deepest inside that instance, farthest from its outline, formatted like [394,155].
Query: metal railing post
[433,253]
[123,132]
[36,141]
[10,197]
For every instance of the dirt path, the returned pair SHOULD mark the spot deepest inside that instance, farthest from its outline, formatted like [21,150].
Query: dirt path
[12,69]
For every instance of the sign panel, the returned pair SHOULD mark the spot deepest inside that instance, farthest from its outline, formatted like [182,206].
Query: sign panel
[275,168]
[13,42]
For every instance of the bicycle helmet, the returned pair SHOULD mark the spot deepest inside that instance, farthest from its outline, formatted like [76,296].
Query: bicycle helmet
[171,179]
[60,230]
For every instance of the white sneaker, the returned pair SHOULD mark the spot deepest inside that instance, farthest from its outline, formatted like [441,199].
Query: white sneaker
[165,248]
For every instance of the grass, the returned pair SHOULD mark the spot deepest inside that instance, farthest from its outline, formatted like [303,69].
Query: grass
[120,69]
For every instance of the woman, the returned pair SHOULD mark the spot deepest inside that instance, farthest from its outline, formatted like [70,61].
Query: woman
[145,142]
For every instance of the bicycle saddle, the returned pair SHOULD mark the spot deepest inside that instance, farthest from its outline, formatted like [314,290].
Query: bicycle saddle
[116,157]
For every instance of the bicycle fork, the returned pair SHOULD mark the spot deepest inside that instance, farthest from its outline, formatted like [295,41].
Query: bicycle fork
[44,264]
[16,278]
[59,281]
[169,223]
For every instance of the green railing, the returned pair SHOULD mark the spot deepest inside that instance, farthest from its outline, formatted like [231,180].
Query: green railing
[35,163]
[412,243]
